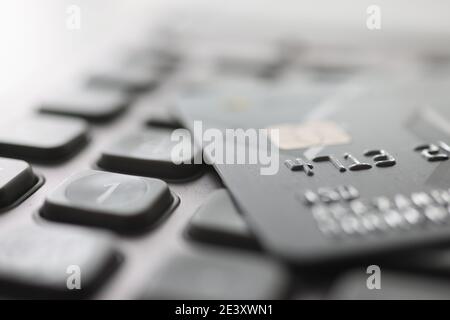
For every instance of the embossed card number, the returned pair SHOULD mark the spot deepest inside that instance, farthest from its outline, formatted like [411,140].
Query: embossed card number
[380,158]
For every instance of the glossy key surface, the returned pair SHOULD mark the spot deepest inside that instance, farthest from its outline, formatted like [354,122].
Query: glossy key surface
[218,221]
[110,200]
[37,261]
[16,178]
[42,138]
[90,104]
[149,153]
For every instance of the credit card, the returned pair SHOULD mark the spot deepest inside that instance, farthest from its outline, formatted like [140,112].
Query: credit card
[360,172]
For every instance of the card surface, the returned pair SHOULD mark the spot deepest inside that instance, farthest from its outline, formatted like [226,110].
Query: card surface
[356,176]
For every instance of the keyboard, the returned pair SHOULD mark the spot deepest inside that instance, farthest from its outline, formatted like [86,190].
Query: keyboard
[92,205]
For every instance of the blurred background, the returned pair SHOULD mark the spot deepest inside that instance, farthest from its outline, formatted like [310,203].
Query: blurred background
[37,45]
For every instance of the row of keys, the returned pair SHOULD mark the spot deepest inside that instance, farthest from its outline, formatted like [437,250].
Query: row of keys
[115,201]
[128,203]
[38,260]
[383,215]
[55,261]
[49,139]
[103,96]
[110,90]
[121,201]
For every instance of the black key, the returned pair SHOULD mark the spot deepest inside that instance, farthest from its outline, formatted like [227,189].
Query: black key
[217,275]
[218,221]
[149,153]
[39,261]
[43,138]
[393,286]
[92,105]
[16,178]
[116,201]
[127,78]
[163,120]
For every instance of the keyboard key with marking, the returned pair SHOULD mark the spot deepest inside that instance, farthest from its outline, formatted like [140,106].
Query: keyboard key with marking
[16,178]
[42,138]
[110,200]
[218,221]
[217,275]
[92,105]
[149,153]
[38,261]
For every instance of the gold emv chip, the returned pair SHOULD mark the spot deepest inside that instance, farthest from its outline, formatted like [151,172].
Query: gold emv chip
[309,134]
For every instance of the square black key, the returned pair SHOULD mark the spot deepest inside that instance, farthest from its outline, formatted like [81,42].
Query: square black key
[110,200]
[53,261]
[217,275]
[42,138]
[16,178]
[218,221]
[163,119]
[149,153]
[87,103]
